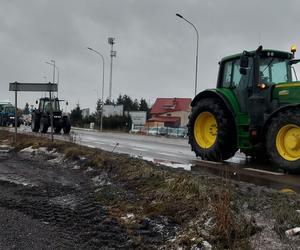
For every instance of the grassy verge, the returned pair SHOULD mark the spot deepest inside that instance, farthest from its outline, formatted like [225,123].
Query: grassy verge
[199,207]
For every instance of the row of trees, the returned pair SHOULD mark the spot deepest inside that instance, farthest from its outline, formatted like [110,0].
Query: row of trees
[114,122]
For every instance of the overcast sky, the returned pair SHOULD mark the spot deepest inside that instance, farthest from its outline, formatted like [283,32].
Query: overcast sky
[155,48]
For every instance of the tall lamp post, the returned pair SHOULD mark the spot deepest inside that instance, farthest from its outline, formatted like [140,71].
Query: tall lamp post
[196,74]
[52,62]
[102,94]
[113,53]
[50,99]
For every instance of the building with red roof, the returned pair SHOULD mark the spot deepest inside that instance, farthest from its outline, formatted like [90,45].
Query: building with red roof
[170,112]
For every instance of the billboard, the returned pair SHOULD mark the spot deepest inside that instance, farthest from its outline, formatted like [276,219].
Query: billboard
[112,110]
[138,117]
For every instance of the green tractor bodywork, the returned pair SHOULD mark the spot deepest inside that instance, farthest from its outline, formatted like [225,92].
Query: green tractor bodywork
[255,108]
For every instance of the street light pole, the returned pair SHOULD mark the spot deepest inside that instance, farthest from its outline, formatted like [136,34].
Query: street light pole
[102,94]
[196,74]
[57,69]
[113,53]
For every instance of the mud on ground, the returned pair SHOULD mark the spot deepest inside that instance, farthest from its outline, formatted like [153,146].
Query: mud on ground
[64,196]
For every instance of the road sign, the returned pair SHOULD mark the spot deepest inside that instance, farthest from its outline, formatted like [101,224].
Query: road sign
[41,87]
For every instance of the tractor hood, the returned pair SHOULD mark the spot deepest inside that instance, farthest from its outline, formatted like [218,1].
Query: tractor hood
[287,92]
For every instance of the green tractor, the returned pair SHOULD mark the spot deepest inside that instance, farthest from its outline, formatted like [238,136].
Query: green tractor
[41,119]
[255,108]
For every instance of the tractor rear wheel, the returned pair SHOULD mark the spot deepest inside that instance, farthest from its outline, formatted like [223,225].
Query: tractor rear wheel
[67,126]
[283,140]
[44,125]
[35,123]
[57,130]
[211,131]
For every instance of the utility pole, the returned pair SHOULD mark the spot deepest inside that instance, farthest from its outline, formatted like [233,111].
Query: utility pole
[113,53]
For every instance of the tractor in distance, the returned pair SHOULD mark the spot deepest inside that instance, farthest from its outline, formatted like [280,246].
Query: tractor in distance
[41,119]
[255,108]
[7,115]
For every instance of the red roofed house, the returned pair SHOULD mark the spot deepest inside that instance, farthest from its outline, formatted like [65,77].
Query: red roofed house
[170,112]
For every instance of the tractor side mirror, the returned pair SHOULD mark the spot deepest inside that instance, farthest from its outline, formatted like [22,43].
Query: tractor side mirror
[67,103]
[36,102]
[244,63]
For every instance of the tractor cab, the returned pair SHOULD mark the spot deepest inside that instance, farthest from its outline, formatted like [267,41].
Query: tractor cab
[44,105]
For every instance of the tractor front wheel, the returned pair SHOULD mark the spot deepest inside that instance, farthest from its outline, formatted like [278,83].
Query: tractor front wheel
[283,140]
[211,131]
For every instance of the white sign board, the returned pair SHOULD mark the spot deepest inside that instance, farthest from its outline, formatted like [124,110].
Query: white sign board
[112,110]
[138,117]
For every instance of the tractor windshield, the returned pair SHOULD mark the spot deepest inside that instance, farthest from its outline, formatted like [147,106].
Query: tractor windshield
[55,105]
[275,70]
[9,109]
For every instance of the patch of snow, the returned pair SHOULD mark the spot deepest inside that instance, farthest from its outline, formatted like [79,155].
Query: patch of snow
[28,150]
[17,180]
[206,245]
[89,169]
[65,201]
[76,167]
[100,181]
[168,164]
[58,159]
[293,231]
[129,216]
[177,165]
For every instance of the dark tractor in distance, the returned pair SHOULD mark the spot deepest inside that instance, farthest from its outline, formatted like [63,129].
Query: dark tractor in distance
[7,116]
[254,108]
[41,120]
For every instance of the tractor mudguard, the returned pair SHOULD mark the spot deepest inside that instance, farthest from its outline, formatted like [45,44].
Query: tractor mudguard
[213,93]
[275,112]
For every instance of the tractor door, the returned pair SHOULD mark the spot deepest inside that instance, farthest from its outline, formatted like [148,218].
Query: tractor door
[240,84]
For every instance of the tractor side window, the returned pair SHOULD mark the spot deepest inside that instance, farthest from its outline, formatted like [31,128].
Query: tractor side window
[236,75]
[41,105]
[231,74]
[47,106]
[227,74]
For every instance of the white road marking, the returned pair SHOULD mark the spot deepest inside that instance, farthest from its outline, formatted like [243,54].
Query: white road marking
[141,149]
[167,154]
[264,171]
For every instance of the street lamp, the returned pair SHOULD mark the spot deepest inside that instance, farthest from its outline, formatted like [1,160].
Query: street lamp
[196,76]
[50,99]
[53,64]
[111,41]
[102,94]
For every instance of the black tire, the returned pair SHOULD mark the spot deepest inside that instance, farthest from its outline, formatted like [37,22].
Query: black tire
[225,144]
[57,130]
[278,123]
[67,126]
[44,125]
[35,123]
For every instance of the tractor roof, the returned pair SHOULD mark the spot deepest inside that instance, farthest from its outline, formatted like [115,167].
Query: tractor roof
[47,98]
[278,53]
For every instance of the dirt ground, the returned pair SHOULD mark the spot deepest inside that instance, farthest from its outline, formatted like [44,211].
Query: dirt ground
[64,196]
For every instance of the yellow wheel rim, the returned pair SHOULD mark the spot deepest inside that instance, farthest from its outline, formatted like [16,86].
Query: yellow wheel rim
[205,130]
[288,142]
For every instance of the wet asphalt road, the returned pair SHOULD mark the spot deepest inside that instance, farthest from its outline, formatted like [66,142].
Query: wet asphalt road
[150,147]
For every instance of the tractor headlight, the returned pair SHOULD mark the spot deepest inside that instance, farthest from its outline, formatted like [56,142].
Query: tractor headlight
[57,116]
